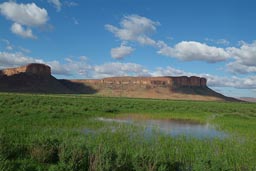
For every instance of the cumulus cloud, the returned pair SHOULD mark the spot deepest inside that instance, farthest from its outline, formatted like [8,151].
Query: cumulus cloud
[19,30]
[134,28]
[237,67]
[16,59]
[246,54]
[244,58]
[58,68]
[56,3]
[25,14]
[191,51]
[138,29]
[29,15]
[121,51]
[235,82]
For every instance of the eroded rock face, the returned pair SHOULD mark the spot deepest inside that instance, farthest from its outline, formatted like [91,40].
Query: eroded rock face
[150,81]
[116,82]
[33,68]
[194,81]
[203,82]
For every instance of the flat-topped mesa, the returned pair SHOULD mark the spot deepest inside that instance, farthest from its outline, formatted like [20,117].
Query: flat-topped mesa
[33,68]
[189,81]
[167,81]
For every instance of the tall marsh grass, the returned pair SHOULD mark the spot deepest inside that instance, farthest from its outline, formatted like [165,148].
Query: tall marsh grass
[48,133]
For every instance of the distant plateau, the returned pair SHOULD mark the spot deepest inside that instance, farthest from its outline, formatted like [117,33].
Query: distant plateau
[37,78]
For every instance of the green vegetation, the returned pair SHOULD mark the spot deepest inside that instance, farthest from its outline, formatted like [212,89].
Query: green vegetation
[58,132]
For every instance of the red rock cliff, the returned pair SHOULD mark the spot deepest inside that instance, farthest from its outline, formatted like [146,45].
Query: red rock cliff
[150,81]
[33,68]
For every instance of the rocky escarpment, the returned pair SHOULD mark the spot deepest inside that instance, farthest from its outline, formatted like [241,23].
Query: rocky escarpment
[150,81]
[37,78]
[33,68]
[32,78]
[190,88]
[128,83]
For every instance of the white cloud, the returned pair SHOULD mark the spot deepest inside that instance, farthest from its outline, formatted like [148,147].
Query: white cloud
[246,54]
[56,3]
[19,30]
[235,82]
[121,51]
[15,59]
[79,66]
[58,68]
[144,40]
[191,51]
[134,28]
[244,58]
[24,14]
[138,29]
[71,67]
[237,67]
[29,15]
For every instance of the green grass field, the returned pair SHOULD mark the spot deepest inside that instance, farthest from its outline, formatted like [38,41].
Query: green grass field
[47,132]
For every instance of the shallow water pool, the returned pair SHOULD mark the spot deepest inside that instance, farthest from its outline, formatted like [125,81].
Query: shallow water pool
[172,127]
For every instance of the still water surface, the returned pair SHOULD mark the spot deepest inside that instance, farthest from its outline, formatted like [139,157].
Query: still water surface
[172,127]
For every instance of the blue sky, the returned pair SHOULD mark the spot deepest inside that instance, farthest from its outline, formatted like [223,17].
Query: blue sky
[99,38]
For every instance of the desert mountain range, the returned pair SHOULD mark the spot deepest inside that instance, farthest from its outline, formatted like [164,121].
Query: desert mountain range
[37,78]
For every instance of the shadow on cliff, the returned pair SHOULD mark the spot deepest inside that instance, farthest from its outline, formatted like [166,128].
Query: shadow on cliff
[78,87]
[194,90]
[201,90]
[35,83]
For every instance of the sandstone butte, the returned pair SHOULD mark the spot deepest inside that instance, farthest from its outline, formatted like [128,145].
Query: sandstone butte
[37,78]
[33,68]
